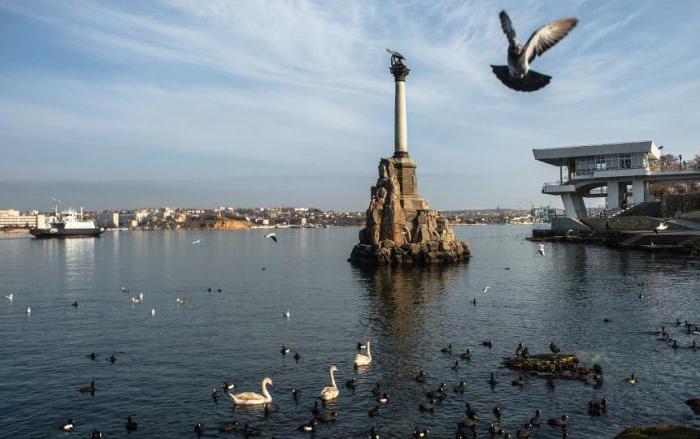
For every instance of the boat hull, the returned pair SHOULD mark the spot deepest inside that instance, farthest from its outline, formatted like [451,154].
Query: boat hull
[63,233]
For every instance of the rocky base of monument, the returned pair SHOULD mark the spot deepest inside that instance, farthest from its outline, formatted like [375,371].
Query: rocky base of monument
[401,229]
[387,252]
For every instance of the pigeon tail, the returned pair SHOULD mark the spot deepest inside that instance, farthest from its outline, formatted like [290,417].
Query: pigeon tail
[530,82]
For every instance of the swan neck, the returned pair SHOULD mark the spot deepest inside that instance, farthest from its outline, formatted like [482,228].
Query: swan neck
[332,379]
[265,393]
[369,354]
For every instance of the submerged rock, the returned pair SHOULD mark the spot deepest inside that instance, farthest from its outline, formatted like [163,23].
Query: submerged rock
[659,432]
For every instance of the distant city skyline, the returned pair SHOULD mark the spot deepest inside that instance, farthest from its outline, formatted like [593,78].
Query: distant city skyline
[201,104]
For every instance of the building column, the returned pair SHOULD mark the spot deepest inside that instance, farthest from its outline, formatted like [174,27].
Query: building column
[574,207]
[613,199]
[639,192]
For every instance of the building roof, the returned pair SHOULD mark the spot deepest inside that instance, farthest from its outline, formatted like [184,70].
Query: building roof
[560,156]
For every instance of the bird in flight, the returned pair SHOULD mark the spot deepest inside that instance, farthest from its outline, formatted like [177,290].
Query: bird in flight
[196,242]
[541,249]
[660,228]
[271,236]
[517,74]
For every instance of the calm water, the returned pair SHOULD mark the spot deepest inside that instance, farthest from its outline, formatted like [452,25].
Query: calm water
[168,364]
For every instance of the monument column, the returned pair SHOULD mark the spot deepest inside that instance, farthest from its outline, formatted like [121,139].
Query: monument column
[400,71]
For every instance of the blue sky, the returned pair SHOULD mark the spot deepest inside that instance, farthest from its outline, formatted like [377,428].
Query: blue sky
[235,103]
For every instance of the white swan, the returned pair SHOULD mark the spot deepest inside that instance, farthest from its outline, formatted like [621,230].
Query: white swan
[331,392]
[135,300]
[252,398]
[363,359]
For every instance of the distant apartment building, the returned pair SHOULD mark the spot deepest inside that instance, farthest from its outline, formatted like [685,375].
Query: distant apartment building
[12,219]
[108,219]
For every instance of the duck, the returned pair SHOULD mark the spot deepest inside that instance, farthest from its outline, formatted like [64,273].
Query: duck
[488,343]
[295,394]
[327,417]
[535,421]
[96,434]
[112,358]
[131,425]
[75,303]
[89,389]
[228,386]
[383,398]
[447,349]
[373,433]
[373,412]
[377,390]
[455,366]
[497,413]
[632,379]
[270,408]
[420,377]
[331,392]
[68,426]
[308,427]
[92,355]
[594,408]
[470,421]
[179,301]
[427,406]
[492,380]
[554,348]
[558,422]
[284,350]
[519,382]
[523,432]
[438,393]
[351,384]
[297,356]
[364,359]
[460,388]
[420,434]
[199,428]
[252,398]
[215,394]
[466,355]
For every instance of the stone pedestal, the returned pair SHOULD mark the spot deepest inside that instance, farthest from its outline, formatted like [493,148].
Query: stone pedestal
[401,228]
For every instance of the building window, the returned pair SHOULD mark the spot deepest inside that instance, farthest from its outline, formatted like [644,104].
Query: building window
[600,164]
[625,161]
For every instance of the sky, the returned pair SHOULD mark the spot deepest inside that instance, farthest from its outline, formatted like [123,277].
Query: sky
[206,103]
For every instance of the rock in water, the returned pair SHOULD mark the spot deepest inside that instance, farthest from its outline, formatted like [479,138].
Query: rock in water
[401,228]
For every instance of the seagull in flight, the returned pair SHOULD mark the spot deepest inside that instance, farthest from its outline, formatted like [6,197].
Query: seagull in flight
[541,249]
[196,242]
[271,236]
[486,289]
[660,228]
[517,74]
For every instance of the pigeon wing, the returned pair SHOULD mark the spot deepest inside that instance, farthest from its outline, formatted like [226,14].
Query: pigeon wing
[547,36]
[507,27]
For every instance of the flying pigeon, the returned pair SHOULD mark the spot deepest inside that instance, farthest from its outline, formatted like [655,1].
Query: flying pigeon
[517,74]
[271,236]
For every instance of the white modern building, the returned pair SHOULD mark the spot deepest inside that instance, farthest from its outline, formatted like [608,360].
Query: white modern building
[620,172]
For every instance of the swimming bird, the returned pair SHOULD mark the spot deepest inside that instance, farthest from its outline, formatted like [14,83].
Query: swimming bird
[466,355]
[373,433]
[197,241]
[420,434]
[10,297]
[252,398]
[295,394]
[179,301]
[284,350]
[373,412]
[68,426]
[364,359]
[554,348]
[460,388]
[112,358]
[297,356]
[327,417]
[632,379]
[420,377]
[135,300]
[96,434]
[92,355]
[492,380]
[308,427]
[427,406]
[199,428]
[535,421]
[473,301]
[517,75]
[125,290]
[269,409]
[228,386]
[351,384]
[519,349]
[523,432]
[153,312]
[438,394]
[131,425]
[315,410]
[558,422]
[271,236]
[541,250]
[447,349]
[519,382]
[89,389]
[377,390]
[287,314]
[29,310]
[488,343]
[331,392]
[383,398]
[486,290]
[215,394]
[497,413]
[455,366]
